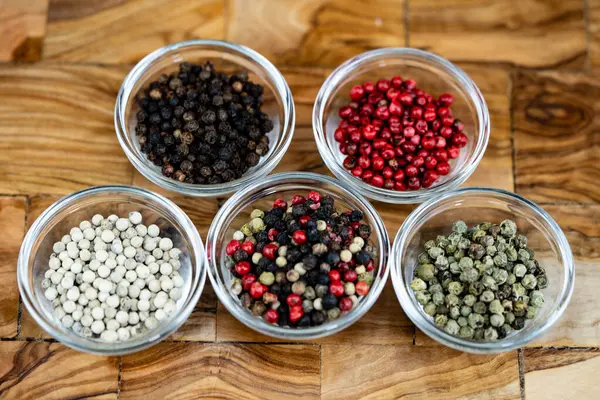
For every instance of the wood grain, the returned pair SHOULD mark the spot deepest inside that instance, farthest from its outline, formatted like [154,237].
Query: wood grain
[316,32]
[578,327]
[552,374]
[227,371]
[496,167]
[12,219]
[41,370]
[557,140]
[384,323]
[594,33]
[57,129]
[527,33]
[386,372]
[22,29]
[125,31]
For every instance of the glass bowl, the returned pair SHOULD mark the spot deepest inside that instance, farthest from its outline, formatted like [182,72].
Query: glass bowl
[236,211]
[227,57]
[68,212]
[473,206]
[434,75]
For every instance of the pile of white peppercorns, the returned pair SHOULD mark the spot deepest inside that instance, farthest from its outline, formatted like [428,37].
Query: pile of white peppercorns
[113,278]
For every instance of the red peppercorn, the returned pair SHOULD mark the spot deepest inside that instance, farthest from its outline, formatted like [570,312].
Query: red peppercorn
[441,155]
[272,234]
[428,142]
[460,139]
[248,247]
[416,112]
[365,148]
[367,175]
[257,290]
[296,312]
[299,237]
[446,132]
[364,162]
[247,281]
[242,268]
[440,142]
[270,251]
[303,220]
[357,92]
[446,99]
[355,136]
[314,196]
[430,162]
[280,203]
[396,82]
[349,162]
[414,183]
[232,247]
[443,168]
[387,173]
[367,110]
[369,132]
[453,152]
[334,275]
[411,171]
[271,316]
[377,181]
[297,199]
[339,135]
[429,177]
[336,288]
[346,304]
[418,161]
[357,171]
[387,154]
[399,175]
[383,85]
[382,113]
[350,276]
[400,186]
[377,163]
[293,299]
[362,288]
[458,125]
[395,107]
[405,98]
[345,112]
[368,87]
[370,266]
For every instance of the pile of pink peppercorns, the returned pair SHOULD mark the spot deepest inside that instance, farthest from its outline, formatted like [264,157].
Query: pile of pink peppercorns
[397,136]
[301,264]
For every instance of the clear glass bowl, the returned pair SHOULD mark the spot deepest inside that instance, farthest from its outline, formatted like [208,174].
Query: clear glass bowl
[236,212]
[476,205]
[227,57]
[434,75]
[68,212]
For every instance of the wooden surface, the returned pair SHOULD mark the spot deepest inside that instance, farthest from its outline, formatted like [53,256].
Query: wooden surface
[537,63]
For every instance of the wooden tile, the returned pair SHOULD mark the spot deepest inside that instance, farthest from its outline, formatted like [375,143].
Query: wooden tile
[199,327]
[578,327]
[125,31]
[384,323]
[41,370]
[305,84]
[22,29]
[191,370]
[552,374]
[594,32]
[556,136]
[57,128]
[316,32]
[386,372]
[496,167]
[303,155]
[12,219]
[528,33]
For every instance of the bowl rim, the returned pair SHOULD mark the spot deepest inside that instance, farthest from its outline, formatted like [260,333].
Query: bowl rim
[145,167]
[258,324]
[99,347]
[391,196]
[416,315]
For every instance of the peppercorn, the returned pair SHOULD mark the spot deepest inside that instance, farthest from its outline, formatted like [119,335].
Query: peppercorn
[175,102]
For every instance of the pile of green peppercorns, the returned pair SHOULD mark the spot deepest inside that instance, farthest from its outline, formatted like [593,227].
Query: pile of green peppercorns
[480,283]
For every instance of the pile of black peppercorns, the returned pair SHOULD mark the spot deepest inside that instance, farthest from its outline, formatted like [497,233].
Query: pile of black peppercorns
[203,126]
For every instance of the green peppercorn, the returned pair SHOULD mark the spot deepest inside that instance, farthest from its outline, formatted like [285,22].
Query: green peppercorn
[423,297]
[466,332]
[438,298]
[430,309]
[462,321]
[536,298]
[440,320]
[475,320]
[452,327]
[425,271]
[490,334]
[479,307]
[496,307]
[529,281]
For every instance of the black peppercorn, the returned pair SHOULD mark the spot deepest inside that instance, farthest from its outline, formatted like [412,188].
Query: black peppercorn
[201,106]
[329,301]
